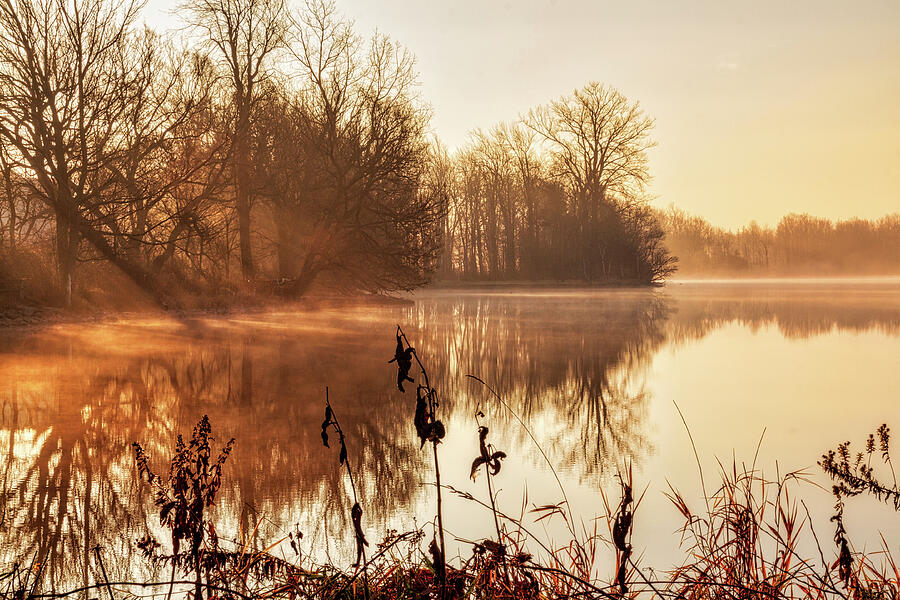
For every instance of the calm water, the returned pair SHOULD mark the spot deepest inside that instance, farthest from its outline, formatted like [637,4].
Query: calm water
[596,374]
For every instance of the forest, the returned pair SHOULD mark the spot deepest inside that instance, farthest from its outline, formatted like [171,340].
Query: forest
[558,195]
[264,151]
[268,150]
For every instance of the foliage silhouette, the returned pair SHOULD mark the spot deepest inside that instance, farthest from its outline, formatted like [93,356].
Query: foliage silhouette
[184,496]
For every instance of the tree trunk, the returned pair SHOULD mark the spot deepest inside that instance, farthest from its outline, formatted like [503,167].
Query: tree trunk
[243,212]
[304,279]
[11,200]
[509,248]
[242,191]
[286,246]
[66,248]
[81,229]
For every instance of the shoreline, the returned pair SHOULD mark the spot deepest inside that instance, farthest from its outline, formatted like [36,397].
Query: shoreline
[19,315]
[23,316]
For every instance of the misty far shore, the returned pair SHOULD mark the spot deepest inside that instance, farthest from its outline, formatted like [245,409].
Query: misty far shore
[832,290]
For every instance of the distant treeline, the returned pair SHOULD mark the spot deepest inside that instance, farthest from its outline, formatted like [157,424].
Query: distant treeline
[556,195]
[799,245]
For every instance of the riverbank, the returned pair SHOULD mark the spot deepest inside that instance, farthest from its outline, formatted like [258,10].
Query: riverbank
[98,306]
[18,315]
[457,284]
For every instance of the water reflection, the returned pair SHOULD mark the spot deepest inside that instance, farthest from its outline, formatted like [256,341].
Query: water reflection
[798,312]
[574,364]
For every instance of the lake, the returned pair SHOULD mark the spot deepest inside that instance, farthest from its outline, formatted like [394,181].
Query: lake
[765,373]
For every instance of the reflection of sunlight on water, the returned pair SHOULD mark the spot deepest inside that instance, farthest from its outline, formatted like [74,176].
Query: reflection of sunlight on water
[593,373]
[25,443]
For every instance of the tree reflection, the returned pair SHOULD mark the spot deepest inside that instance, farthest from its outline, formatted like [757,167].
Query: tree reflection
[573,364]
[797,312]
[577,363]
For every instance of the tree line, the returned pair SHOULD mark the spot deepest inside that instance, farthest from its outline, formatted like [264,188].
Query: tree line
[557,195]
[271,147]
[274,148]
[799,244]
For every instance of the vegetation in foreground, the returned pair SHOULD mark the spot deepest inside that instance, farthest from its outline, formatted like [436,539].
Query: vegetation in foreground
[746,539]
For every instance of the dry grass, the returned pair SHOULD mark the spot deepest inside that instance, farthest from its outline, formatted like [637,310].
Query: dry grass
[749,538]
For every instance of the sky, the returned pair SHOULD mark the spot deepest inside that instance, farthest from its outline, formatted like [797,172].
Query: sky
[762,107]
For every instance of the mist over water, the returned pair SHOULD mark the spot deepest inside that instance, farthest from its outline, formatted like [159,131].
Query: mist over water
[593,372]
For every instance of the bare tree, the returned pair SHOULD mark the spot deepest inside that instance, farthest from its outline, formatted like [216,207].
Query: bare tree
[164,119]
[61,86]
[282,175]
[496,164]
[528,169]
[369,222]
[559,195]
[245,34]
[598,141]
[439,182]
[23,217]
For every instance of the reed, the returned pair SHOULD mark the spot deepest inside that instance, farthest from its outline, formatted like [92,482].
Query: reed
[331,422]
[855,475]
[744,539]
[191,487]
[429,429]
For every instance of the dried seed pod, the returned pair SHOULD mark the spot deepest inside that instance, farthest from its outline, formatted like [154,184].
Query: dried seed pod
[325,424]
[356,516]
[486,457]
[496,457]
[422,417]
[403,357]
[436,432]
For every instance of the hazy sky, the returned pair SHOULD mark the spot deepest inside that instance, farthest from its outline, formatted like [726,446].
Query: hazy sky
[762,107]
